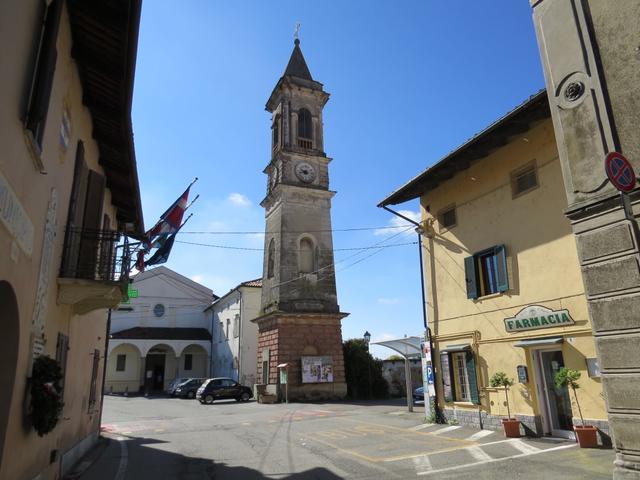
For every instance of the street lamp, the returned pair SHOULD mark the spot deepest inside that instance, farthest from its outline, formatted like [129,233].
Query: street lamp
[367,339]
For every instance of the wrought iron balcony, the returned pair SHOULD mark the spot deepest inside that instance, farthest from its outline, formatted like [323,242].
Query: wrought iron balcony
[95,269]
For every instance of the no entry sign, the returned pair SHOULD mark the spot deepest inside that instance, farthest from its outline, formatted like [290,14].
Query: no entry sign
[620,172]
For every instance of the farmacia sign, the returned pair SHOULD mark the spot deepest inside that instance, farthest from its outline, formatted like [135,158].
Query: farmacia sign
[535,317]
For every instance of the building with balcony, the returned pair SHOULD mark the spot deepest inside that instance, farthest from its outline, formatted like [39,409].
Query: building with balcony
[69,197]
[235,337]
[162,332]
[503,286]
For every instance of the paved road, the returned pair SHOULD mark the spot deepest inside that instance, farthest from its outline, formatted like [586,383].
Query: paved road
[164,438]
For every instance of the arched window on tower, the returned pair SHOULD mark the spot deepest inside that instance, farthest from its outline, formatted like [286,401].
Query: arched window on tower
[276,132]
[305,129]
[306,256]
[271,259]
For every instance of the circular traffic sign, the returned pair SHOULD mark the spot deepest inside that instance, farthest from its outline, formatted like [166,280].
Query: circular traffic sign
[620,172]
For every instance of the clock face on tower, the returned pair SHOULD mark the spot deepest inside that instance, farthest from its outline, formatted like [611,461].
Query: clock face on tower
[305,172]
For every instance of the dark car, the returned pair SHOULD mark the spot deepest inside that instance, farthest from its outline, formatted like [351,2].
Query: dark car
[220,388]
[189,388]
[418,394]
[171,389]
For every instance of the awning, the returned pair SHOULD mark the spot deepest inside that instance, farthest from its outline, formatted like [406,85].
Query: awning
[537,342]
[408,347]
[460,347]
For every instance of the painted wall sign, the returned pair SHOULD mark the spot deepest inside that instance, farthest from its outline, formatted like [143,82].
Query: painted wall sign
[14,217]
[317,369]
[535,317]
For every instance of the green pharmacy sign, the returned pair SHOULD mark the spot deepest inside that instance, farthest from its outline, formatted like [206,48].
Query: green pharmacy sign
[535,317]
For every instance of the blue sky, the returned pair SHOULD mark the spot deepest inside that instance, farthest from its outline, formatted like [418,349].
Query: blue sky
[409,82]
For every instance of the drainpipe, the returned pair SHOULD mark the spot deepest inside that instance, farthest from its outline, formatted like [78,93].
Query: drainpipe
[425,315]
[104,367]
[240,337]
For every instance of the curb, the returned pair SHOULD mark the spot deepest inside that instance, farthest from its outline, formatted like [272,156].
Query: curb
[91,457]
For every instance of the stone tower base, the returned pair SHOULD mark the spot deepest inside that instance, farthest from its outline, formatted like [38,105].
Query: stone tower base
[286,337]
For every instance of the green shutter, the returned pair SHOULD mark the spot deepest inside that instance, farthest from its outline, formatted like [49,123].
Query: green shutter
[448,387]
[502,275]
[471,278]
[473,379]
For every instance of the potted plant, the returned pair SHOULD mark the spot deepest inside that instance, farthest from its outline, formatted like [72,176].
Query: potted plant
[510,425]
[587,434]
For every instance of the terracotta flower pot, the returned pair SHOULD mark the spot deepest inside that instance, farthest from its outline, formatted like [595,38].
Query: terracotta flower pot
[587,436]
[511,427]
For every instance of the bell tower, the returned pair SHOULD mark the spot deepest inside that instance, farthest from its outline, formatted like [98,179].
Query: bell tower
[300,322]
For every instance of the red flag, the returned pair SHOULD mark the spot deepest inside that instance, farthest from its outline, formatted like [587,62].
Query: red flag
[171,219]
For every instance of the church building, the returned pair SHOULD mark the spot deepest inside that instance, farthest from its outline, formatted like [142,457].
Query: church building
[300,339]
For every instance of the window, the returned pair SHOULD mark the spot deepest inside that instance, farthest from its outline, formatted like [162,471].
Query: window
[271,260]
[486,272]
[94,380]
[221,332]
[62,347]
[447,218]
[459,380]
[306,256]
[276,132]
[227,332]
[121,362]
[524,179]
[236,326]
[305,135]
[158,310]
[188,361]
[265,372]
[42,81]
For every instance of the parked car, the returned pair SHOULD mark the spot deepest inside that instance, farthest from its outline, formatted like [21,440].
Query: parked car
[171,389]
[418,394]
[189,388]
[220,388]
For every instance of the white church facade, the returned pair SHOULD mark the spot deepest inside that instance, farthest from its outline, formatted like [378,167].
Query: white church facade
[162,333]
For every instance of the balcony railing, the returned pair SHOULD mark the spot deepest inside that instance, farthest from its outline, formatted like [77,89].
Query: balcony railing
[95,255]
[305,143]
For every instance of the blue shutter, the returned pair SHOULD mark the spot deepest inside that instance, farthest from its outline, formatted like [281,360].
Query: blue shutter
[502,275]
[473,379]
[471,277]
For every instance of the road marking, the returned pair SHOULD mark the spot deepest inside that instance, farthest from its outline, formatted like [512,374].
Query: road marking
[246,424]
[160,430]
[478,454]
[422,464]
[480,434]
[401,412]
[124,459]
[494,460]
[445,429]
[421,426]
[524,447]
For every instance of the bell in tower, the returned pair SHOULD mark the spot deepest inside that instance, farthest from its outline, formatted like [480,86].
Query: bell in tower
[300,322]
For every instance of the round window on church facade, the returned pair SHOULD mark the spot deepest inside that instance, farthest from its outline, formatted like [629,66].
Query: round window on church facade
[158,310]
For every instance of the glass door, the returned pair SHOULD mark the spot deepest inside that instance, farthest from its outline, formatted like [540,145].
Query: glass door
[558,403]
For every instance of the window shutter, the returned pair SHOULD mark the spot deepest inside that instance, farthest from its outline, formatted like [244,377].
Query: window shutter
[473,379]
[447,377]
[471,277]
[502,276]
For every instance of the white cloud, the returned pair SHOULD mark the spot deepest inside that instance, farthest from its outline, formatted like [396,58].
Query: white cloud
[239,199]
[384,337]
[388,301]
[396,221]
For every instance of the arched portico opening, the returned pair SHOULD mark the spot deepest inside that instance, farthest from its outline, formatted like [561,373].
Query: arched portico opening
[193,362]
[160,368]
[9,341]
[124,369]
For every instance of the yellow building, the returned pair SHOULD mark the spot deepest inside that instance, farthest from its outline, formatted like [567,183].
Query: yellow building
[68,190]
[503,286]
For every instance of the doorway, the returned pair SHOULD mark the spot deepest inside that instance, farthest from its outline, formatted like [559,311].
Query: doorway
[9,343]
[555,403]
[154,372]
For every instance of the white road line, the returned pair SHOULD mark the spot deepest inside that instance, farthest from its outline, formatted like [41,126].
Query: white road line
[446,429]
[124,459]
[401,412]
[524,447]
[422,464]
[493,460]
[422,426]
[480,434]
[478,454]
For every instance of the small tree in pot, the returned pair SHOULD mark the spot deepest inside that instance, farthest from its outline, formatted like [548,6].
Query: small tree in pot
[586,434]
[510,425]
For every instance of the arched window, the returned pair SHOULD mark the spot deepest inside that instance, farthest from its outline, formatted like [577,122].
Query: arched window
[305,133]
[276,132]
[271,259]
[306,261]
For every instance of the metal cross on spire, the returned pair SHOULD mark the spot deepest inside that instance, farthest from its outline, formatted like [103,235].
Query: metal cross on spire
[296,31]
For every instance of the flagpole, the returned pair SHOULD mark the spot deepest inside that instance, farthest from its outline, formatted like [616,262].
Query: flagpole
[192,202]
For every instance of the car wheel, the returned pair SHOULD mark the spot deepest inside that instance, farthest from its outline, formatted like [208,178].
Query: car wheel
[208,399]
[245,396]
[191,394]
